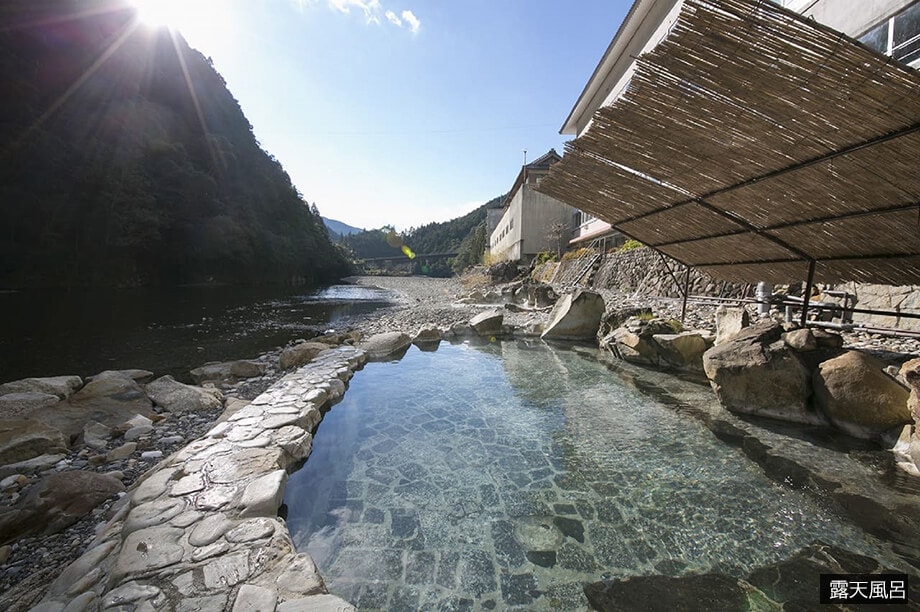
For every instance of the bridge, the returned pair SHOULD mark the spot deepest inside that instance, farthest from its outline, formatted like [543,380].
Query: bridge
[397,259]
[425,263]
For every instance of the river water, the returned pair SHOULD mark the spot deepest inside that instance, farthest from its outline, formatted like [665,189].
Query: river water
[166,331]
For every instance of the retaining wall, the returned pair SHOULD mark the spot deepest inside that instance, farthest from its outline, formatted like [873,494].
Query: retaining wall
[642,272]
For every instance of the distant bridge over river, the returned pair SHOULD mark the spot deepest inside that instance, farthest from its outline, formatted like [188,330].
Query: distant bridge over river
[422,263]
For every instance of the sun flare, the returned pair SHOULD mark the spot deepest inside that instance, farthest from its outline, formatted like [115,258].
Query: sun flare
[159,13]
[206,24]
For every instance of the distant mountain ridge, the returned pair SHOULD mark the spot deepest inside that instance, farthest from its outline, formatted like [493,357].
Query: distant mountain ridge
[465,235]
[341,229]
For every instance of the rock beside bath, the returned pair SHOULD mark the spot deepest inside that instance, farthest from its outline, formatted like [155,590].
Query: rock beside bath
[23,405]
[427,338]
[729,322]
[301,353]
[110,399]
[179,397]
[756,373]
[56,502]
[24,439]
[219,371]
[388,345]
[858,397]
[61,386]
[488,323]
[576,316]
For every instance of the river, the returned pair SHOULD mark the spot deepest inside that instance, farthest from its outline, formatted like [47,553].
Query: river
[166,331]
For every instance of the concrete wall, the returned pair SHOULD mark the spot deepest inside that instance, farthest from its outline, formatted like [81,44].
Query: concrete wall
[525,227]
[852,17]
[885,297]
[642,272]
[504,243]
[493,218]
[541,213]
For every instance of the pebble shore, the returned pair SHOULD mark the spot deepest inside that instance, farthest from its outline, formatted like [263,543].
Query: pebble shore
[29,565]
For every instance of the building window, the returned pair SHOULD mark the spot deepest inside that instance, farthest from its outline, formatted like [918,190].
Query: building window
[583,218]
[898,37]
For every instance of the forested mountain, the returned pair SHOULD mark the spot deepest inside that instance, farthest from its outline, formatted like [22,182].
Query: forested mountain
[464,235]
[339,229]
[124,160]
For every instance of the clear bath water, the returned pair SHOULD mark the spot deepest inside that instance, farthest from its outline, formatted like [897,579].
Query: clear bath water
[506,475]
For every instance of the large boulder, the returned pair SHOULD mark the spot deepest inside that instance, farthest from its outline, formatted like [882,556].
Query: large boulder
[61,386]
[23,439]
[730,321]
[635,341]
[632,347]
[385,346]
[858,397]
[488,323]
[213,371]
[614,319]
[427,338]
[247,368]
[576,316]
[219,371]
[21,405]
[802,340]
[756,373]
[56,502]
[109,399]
[179,397]
[910,371]
[141,376]
[534,295]
[503,272]
[301,353]
[684,350]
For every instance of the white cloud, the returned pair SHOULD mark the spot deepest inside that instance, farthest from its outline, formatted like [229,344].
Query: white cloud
[392,18]
[373,12]
[371,8]
[410,18]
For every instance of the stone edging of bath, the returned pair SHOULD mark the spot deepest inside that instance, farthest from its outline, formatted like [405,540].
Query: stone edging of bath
[201,530]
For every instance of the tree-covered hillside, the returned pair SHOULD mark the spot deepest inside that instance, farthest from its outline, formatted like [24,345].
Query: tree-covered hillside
[124,160]
[464,235]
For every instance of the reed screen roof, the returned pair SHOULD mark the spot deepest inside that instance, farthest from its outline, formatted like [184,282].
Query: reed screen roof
[752,141]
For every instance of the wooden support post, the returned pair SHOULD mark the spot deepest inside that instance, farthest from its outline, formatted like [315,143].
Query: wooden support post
[807,296]
[683,306]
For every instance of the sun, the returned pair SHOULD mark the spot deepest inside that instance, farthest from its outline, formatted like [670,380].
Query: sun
[162,13]
[206,24]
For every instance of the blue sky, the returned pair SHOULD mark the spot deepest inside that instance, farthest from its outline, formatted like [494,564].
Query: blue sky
[402,112]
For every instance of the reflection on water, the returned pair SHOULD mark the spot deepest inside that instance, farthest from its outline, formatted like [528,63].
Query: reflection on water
[167,331]
[508,475]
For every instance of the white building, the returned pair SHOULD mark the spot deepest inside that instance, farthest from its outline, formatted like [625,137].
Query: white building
[531,222]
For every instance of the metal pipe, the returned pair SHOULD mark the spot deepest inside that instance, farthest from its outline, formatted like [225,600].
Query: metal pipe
[764,294]
[685,292]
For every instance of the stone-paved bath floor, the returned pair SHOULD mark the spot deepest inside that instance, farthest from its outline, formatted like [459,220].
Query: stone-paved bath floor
[504,476]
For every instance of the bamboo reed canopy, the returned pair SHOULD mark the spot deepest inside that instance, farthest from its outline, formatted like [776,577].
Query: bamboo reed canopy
[753,143]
